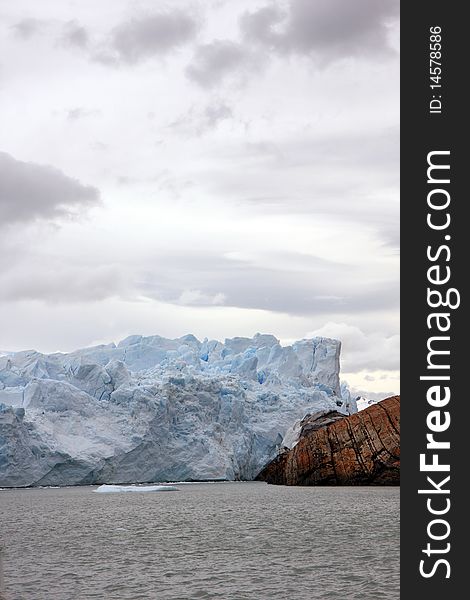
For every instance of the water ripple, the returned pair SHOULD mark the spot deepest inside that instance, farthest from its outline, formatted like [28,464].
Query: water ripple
[241,541]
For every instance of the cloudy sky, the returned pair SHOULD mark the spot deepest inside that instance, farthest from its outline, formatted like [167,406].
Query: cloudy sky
[218,167]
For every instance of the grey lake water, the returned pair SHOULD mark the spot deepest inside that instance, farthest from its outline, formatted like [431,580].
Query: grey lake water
[233,541]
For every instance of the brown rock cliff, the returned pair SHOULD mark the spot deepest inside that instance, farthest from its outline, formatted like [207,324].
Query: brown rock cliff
[362,449]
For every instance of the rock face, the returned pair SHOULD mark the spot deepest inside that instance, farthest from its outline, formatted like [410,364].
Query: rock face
[153,409]
[333,449]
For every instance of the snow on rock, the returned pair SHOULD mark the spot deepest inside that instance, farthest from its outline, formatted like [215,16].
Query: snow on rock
[363,403]
[294,433]
[155,409]
[357,400]
[116,489]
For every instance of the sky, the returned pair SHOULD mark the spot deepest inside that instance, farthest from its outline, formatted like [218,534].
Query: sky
[206,166]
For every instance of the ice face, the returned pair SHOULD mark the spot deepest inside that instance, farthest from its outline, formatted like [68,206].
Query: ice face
[350,402]
[154,409]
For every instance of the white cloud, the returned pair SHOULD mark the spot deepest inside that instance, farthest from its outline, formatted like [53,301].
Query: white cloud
[28,27]
[198,298]
[58,282]
[147,36]
[75,35]
[214,62]
[197,121]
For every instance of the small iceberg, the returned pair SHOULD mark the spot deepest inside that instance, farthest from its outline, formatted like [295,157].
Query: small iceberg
[114,489]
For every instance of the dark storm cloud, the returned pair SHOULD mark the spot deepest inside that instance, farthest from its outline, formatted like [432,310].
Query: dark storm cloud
[29,192]
[213,62]
[148,36]
[325,29]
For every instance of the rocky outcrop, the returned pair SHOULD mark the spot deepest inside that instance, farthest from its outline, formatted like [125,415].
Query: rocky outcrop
[361,449]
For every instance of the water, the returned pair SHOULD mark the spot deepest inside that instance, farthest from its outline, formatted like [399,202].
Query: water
[233,541]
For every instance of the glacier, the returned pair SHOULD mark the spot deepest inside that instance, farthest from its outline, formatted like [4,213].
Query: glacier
[152,409]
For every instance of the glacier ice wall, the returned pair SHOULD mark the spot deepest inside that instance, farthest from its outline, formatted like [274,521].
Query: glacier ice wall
[155,409]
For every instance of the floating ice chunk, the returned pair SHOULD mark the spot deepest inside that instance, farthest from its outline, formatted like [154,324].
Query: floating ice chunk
[113,489]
